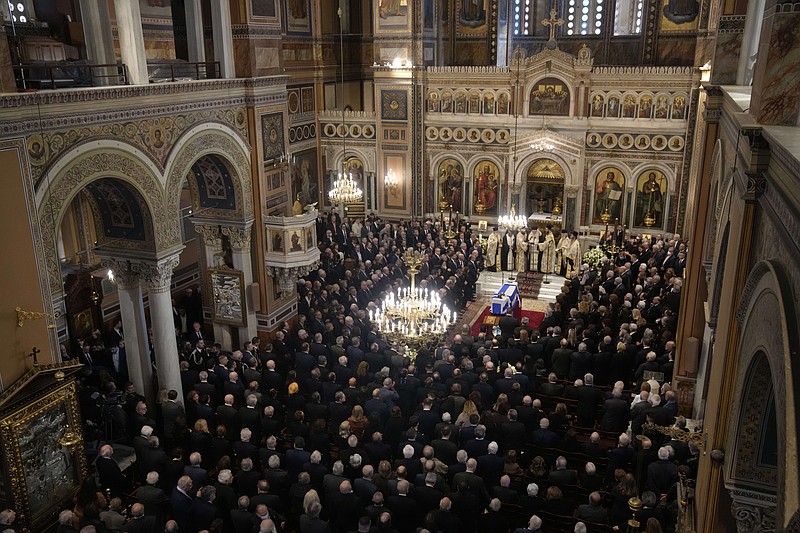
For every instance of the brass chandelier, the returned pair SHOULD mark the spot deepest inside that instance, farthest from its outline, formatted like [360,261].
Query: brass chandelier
[345,190]
[413,316]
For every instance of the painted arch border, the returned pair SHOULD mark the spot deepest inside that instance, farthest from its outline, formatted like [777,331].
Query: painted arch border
[765,283]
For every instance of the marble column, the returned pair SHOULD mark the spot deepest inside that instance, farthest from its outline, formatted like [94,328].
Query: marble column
[223,37]
[239,237]
[194,31]
[131,41]
[158,279]
[96,22]
[212,250]
[571,213]
[134,325]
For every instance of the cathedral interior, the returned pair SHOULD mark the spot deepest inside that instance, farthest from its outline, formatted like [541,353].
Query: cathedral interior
[169,143]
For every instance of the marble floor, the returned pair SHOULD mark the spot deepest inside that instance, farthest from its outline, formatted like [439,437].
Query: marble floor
[490,282]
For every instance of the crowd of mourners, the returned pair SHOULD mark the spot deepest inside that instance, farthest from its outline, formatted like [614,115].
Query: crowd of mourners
[327,428]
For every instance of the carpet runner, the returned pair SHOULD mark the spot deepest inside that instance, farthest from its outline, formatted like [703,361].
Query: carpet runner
[529,284]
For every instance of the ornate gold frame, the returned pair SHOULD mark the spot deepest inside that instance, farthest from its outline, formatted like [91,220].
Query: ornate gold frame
[221,282]
[68,437]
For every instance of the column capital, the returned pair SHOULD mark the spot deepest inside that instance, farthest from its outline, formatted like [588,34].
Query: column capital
[571,191]
[239,236]
[124,276]
[756,186]
[210,234]
[157,276]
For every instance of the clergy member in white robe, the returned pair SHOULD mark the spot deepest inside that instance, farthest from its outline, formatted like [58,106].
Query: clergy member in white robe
[492,246]
[522,251]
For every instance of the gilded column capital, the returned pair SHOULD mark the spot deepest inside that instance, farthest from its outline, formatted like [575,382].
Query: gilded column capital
[157,276]
[572,191]
[210,234]
[239,236]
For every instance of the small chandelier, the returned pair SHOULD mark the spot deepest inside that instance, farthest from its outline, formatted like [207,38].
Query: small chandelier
[413,316]
[513,222]
[391,181]
[345,190]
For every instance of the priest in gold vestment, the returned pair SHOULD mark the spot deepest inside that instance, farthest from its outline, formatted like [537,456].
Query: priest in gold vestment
[572,255]
[548,248]
[533,246]
[522,251]
[492,247]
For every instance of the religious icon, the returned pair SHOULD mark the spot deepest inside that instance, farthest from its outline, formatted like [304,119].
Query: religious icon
[474,104]
[451,185]
[433,102]
[296,243]
[472,13]
[608,194]
[502,104]
[309,240]
[461,102]
[597,106]
[488,104]
[550,96]
[645,106]
[388,8]
[487,180]
[678,108]
[662,107]
[277,242]
[447,102]
[649,199]
[629,106]
[613,107]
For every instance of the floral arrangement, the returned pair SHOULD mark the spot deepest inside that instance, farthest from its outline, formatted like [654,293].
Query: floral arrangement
[594,257]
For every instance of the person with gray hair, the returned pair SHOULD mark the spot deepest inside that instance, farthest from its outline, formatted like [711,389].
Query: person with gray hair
[592,511]
[661,474]
[152,497]
[241,518]
[534,526]
[580,527]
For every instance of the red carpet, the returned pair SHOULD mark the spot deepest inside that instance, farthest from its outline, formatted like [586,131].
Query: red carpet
[486,317]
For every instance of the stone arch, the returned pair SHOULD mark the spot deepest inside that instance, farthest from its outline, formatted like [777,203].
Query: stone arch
[223,143]
[520,173]
[764,359]
[367,159]
[86,164]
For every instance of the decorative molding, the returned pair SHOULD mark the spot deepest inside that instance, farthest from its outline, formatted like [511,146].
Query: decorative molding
[239,236]
[754,512]
[731,24]
[157,276]
[572,191]
[287,276]
[756,186]
[124,276]
[210,234]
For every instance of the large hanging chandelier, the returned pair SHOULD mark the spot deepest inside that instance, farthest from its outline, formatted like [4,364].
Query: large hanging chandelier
[413,316]
[512,221]
[345,190]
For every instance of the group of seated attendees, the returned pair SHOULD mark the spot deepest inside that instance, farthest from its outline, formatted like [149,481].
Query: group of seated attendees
[327,428]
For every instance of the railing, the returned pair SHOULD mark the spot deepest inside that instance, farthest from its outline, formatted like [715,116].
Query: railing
[64,74]
[170,71]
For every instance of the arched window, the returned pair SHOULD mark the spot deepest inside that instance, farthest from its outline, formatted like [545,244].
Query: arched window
[628,17]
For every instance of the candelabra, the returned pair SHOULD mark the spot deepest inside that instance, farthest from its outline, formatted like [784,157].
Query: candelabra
[391,181]
[413,316]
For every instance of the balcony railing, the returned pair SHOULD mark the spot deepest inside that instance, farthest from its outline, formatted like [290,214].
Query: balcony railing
[65,74]
[169,71]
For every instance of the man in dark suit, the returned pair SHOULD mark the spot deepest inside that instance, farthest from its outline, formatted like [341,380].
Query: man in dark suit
[619,457]
[241,518]
[594,447]
[475,483]
[490,465]
[203,511]
[562,475]
[111,477]
[592,511]
[170,411]
[552,387]
[427,496]
[403,507]
[505,493]
[616,413]
[181,502]
[544,436]
[228,416]
[662,474]
[140,522]
[507,324]
[589,399]
[296,458]
[154,499]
